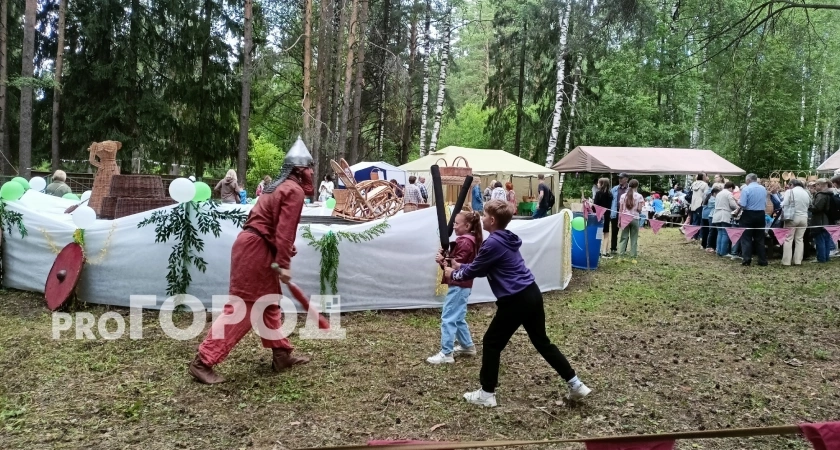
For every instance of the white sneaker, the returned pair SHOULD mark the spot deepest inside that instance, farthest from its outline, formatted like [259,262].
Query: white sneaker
[464,351]
[578,393]
[440,358]
[481,398]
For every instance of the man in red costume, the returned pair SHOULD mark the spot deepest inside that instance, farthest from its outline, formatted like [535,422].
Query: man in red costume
[267,237]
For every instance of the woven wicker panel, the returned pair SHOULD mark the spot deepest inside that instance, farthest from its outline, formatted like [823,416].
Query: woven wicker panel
[108,208]
[455,180]
[107,167]
[340,196]
[129,206]
[137,186]
[454,170]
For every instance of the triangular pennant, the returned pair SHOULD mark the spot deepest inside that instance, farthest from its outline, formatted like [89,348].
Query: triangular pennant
[599,212]
[823,436]
[735,234]
[658,445]
[624,220]
[691,231]
[656,225]
[781,234]
[834,231]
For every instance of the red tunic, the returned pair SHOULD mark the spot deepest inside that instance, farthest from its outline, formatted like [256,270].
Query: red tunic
[268,236]
[464,253]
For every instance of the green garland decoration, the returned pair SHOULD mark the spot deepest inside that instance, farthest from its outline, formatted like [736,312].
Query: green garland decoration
[177,223]
[11,219]
[328,246]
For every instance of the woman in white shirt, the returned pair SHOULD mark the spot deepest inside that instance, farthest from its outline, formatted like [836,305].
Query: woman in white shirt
[498,192]
[630,203]
[325,191]
[725,207]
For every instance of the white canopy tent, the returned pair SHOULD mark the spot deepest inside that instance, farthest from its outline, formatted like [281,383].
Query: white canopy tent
[831,164]
[489,165]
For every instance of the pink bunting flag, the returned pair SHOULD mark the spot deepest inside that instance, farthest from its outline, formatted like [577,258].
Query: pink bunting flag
[658,445]
[834,231]
[734,234]
[823,436]
[599,212]
[656,225]
[691,231]
[781,234]
[625,219]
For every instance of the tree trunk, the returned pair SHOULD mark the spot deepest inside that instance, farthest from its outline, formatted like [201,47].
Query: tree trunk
[360,74]
[323,70]
[307,69]
[409,102]
[826,136]
[517,144]
[572,106]
[348,81]
[558,94]
[813,156]
[59,61]
[245,110]
[444,62]
[336,67]
[5,154]
[133,94]
[386,41]
[747,127]
[27,72]
[427,56]
[695,131]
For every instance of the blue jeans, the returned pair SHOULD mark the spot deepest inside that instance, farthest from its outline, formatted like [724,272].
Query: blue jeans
[697,219]
[453,323]
[722,244]
[823,242]
[540,213]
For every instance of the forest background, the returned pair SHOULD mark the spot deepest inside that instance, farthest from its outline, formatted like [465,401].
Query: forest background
[200,86]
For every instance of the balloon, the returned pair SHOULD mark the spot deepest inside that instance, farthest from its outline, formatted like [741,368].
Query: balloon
[330,203]
[11,190]
[22,181]
[86,195]
[578,223]
[202,191]
[84,217]
[182,190]
[71,196]
[37,184]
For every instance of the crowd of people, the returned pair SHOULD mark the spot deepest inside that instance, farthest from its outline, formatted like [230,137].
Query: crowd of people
[756,206]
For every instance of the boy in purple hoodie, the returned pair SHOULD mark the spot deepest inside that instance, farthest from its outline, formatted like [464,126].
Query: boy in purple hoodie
[518,302]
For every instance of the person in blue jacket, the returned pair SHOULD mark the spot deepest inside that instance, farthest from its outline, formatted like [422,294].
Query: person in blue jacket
[519,302]
[477,200]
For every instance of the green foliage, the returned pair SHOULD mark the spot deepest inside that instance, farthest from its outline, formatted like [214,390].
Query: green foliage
[11,219]
[467,129]
[180,223]
[264,158]
[328,246]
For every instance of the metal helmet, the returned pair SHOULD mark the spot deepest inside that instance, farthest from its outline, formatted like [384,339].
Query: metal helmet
[297,156]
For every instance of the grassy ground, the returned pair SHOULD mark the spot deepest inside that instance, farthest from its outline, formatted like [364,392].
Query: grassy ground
[677,341]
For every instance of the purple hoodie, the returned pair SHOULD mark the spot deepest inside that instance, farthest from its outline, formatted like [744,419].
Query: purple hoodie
[499,260]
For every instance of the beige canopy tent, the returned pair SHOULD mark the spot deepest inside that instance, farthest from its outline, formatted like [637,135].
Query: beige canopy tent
[645,161]
[831,164]
[488,165]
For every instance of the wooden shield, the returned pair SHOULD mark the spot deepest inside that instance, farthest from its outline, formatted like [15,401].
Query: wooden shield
[64,276]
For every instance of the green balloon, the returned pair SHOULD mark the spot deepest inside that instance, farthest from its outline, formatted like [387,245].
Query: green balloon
[202,192]
[330,203]
[22,181]
[578,223]
[71,196]
[11,191]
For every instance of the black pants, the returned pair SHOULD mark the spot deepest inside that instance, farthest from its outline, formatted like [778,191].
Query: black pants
[614,235]
[752,241]
[524,308]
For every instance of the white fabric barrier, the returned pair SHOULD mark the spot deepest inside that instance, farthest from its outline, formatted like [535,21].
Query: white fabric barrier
[393,271]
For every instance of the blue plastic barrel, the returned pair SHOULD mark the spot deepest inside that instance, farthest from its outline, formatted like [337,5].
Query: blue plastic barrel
[589,241]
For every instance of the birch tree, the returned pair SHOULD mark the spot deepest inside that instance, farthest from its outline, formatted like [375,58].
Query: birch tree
[444,60]
[572,105]
[558,92]
[427,49]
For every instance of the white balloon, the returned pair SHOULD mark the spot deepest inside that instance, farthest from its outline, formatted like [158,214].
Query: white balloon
[84,217]
[86,195]
[37,184]
[182,190]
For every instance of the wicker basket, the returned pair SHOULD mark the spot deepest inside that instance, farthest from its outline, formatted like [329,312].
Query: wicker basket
[137,186]
[340,196]
[409,207]
[108,208]
[453,170]
[454,180]
[129,206]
